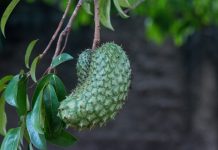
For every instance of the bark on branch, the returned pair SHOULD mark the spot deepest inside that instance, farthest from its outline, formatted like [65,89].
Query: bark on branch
[96,40]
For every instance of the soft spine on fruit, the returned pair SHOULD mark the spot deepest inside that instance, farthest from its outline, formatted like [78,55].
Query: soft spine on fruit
[104,80]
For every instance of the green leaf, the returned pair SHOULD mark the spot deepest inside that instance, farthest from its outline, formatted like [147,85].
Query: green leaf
[104,10]
[37,114]
[38,140]
[4,81]
[59,87]
[3,116]
[65,139]
[40,86]
[21,100]
[30,147]
[124,3]
[119,9]
[60,59]
[11,91]
[12,139]
[53,123]
[26,135]
[87,7]
[29,51]
[23,127]
[33,68]
[15,93]
[57,84]
[7,14]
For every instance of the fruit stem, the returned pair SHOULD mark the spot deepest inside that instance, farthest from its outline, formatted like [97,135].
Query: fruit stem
[96,40]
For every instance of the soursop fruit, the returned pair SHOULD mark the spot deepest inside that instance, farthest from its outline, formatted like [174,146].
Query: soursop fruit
[103,90]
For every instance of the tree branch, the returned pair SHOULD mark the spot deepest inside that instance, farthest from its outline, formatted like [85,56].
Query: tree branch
[65,33]
[67,29]
[58,29]
[96,40]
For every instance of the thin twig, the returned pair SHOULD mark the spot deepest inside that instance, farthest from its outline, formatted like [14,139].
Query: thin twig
[65,43]
[67,29]
[58,29]
[65,33]
[97,35]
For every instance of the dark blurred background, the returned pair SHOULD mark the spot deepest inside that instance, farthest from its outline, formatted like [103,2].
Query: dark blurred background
[173,48]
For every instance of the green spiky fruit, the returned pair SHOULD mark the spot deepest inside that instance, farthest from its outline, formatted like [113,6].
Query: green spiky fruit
[102,93]
[83,65]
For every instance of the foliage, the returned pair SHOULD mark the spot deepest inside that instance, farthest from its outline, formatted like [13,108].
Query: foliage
[38,120]
[177,19]
[174,19]
[7,13]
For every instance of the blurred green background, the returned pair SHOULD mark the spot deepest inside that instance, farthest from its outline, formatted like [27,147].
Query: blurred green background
[173,19]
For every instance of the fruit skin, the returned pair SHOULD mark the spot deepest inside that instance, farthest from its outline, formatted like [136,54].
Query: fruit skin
[103,93]
[83,65]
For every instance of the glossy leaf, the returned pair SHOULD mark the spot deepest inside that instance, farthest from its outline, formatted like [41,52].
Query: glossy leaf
[38,140]
[29,51]
[12,139]
[26,135]
[21,99]
[3,116]
[23,128]
[119,9]
[11,91]
[40,85]
[4,81]
[65,139]
[57,84]
[7,14]
[59,87]
[33,68]
[105,10]
[60,59]
[53,123]
[36,114]
[15,93]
